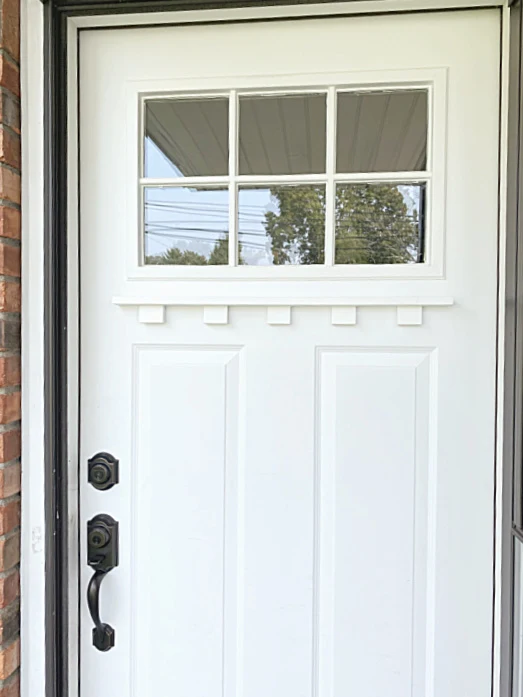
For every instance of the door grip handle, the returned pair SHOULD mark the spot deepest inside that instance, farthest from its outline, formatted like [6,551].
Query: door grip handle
[103,634]
[102,557]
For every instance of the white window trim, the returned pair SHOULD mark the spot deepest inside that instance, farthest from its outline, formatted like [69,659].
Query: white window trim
[433,80]
[33,667]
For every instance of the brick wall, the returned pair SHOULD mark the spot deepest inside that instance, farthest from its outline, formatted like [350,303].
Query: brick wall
[9,348]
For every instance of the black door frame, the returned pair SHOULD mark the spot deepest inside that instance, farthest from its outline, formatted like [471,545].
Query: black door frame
[512,501]
[56,14]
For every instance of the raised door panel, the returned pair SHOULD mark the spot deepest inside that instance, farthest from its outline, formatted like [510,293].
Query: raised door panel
[373,508]
[184,527]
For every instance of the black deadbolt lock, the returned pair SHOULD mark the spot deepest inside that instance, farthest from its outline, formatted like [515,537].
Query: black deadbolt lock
[102,556]
[102,471]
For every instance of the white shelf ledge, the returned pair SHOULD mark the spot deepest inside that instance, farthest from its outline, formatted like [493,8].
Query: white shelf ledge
[378,301]
[409,310]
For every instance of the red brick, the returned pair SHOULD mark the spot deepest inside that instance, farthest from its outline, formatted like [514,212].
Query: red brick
[10,448]
[10,477]
[9,517]
[12,688]
[10,623]
[10,260]
[10,407]
[10,37]
[9,659]
[10,296]
[9,553]
[9,589]
[9,75]
[10,185]
[10,150]
[10,338]
[10,222]
[9,367]
[10,111]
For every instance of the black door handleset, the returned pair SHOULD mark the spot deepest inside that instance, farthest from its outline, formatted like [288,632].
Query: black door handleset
[102,547]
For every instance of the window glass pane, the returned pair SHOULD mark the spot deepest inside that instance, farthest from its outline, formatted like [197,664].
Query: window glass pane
[281,225]
[379,223]
[382,131]
[186,226]
[186,137]
[282,134]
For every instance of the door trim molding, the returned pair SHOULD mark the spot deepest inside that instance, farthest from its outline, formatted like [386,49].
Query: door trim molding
[509,498]
[50,276]
[243,9]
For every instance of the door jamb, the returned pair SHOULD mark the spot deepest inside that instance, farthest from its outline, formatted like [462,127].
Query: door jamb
[50,271]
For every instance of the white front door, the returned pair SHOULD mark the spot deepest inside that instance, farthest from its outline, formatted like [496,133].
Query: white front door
[288,236]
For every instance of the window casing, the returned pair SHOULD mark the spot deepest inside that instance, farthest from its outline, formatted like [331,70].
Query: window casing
[426,178]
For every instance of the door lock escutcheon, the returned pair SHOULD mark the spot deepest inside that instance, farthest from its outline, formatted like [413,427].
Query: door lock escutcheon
[102,556]
[102,471]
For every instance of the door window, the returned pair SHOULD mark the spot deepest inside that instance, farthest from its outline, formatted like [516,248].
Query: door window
[330,177]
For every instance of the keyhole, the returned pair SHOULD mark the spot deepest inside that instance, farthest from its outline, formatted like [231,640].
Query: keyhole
[99,537]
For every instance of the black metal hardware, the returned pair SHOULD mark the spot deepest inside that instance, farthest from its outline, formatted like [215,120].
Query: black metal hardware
[102,556]
[102,471]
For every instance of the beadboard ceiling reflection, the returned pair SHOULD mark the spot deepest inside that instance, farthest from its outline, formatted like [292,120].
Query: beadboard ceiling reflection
[286,134]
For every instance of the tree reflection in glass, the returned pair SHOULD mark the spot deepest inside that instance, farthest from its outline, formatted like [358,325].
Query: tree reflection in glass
[379,223]
[282,225]
[374,224]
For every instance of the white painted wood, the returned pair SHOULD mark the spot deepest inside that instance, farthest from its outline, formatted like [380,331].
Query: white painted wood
[352,7]
[184,601]
[410,315]
[216,314]
[73,364]
[33,530]
[400,177]
[151,314]
[233,165]
[282,465]
[344,315]
[310,301]
[279,315]
[330,195]
[374,470]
